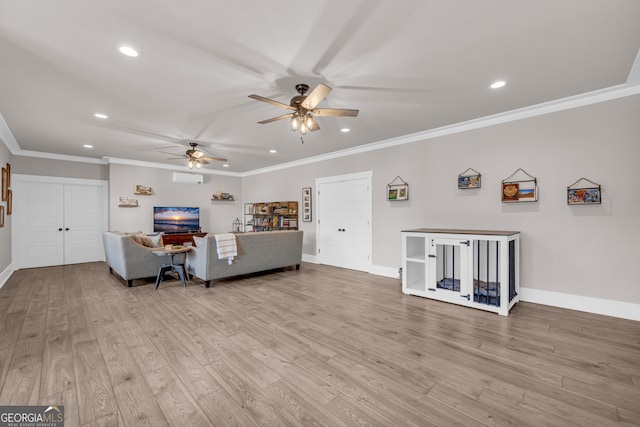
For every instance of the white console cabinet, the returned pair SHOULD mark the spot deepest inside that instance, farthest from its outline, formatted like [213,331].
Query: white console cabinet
[474,268]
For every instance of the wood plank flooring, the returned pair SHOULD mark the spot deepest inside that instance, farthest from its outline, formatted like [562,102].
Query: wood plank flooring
[320,346]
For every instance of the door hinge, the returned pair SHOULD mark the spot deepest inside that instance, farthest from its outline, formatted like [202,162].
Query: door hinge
[318,250]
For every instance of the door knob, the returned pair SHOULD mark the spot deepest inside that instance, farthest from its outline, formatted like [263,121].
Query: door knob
[66,229]
[59,229]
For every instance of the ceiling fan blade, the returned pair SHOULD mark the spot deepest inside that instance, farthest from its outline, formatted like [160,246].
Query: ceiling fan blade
[326,112]
[284,116]
[271,101]
[219,159]
[319,93]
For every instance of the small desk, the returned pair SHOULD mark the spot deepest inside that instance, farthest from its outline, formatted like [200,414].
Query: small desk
[173,266]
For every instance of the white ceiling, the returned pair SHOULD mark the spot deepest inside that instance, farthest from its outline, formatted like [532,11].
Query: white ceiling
[408,66]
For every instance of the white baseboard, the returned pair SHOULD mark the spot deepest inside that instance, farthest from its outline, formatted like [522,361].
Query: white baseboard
[309,258]
[380,270]
[624,310]
[4,276]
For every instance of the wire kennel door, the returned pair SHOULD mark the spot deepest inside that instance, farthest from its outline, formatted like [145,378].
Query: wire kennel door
[450,267]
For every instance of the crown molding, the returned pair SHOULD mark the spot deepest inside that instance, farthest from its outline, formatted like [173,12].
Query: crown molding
[630,88]
[119,161]
[595,97]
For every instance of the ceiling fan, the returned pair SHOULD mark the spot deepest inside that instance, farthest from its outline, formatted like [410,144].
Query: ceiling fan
[304,108]
[195,157]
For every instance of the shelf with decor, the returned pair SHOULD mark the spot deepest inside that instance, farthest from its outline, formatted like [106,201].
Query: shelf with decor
[269,216]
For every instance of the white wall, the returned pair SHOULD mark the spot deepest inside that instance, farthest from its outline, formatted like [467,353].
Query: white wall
[215,216]
[589,251]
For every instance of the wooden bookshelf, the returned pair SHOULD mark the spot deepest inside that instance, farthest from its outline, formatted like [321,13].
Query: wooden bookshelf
[269,216]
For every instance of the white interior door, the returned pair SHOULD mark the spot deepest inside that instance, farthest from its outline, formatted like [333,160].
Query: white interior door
[82,224]
[57,221]
[344,221]
[41,208]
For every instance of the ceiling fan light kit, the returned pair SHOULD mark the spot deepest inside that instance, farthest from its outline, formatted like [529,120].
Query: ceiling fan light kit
[304,108]
[196,157]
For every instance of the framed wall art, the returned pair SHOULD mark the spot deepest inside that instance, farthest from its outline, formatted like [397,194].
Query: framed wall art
[1,216]
[469,179]
[584,192]
[5,183]
[397,190]
[519,187]
[9,202]
[306,204]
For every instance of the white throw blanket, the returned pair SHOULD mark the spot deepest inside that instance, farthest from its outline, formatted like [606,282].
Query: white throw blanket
[227,248]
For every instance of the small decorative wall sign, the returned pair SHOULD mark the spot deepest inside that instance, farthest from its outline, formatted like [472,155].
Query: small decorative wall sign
[469,179]
[143,190]
[125,202]
[584,192]
[306,204]
[397,191]
[519,187]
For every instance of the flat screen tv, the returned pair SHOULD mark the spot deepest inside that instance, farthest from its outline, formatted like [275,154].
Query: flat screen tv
[175,219]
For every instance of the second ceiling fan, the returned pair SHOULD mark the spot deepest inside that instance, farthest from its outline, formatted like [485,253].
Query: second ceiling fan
[304,109]
[195,157]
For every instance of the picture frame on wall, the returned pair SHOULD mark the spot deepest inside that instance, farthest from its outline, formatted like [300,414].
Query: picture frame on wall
[5,184]
[306,204]
[9,202]
[579,194]
[1,216]
[469,179]
[397,191]
[517,190]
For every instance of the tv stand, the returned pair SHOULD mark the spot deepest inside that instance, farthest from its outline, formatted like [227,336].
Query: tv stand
[180,238]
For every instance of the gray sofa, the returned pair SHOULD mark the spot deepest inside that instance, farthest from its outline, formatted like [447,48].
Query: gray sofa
[129,259]
[256,252]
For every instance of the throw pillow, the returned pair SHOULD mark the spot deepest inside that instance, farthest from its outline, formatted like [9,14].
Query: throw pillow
[136,238]
[150,242]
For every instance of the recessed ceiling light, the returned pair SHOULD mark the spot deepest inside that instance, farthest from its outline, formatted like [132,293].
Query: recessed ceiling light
[128,51]
[345,130]
[273,151]
[88,146]
[101,116]
[498,84]
[225,165]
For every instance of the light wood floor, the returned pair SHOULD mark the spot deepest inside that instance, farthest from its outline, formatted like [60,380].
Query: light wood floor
[319,346]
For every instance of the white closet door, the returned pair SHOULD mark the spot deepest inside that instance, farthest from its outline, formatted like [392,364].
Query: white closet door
[58,222]
[82,224]
[344,221]
[330,215]
[356,225]
[42,207]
